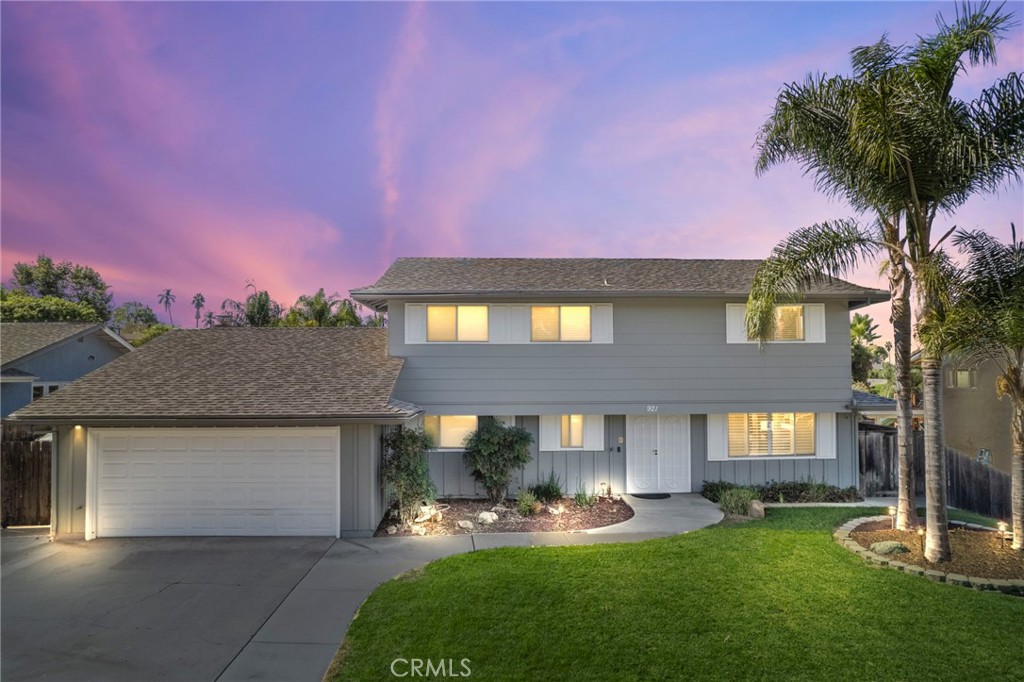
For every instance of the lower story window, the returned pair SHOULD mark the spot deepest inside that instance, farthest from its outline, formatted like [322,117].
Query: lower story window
[572,430]
[767,434]
[449,431]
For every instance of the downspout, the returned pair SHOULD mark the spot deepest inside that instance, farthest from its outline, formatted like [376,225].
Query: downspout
[54,449]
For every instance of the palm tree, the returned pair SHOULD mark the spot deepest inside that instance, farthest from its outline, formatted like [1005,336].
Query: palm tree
[198,301]
[863,329]
[208,319]
[166,299]
[983,319]
[317,310]
[257,310]
[893,142]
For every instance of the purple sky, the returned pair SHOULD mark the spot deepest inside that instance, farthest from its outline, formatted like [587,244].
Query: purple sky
[199,145]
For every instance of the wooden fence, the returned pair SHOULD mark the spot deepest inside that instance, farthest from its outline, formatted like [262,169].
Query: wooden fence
[970,484]
[24,483]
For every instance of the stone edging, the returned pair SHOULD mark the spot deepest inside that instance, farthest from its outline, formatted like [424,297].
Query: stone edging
[842,536]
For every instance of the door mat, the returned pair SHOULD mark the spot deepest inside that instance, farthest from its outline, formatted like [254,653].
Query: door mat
[652,496]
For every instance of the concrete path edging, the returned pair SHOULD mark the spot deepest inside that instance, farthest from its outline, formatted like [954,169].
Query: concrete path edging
[300,638]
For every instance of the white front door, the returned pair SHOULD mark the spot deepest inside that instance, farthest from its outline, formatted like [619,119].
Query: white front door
[658,454]
[213,481]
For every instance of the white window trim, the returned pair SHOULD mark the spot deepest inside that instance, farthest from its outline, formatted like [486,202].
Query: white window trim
[824,440]
[951,381]
[507,420]
[456,342]
[45,385]
[559,306]
[814,324]
[550,433]
[601,324]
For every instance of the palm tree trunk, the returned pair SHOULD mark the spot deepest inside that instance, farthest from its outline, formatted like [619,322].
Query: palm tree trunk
[1017,474]
[899,288]
[936,545]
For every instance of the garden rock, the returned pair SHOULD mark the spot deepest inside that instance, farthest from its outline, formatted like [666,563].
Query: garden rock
[419,530]
[487,517]
[391,530]
[555,511]
[498,509]
[465,525]
[889,547]
[756,509]
[426,514]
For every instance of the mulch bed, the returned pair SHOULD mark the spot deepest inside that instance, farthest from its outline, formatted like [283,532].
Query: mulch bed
[975,553]
[605,512]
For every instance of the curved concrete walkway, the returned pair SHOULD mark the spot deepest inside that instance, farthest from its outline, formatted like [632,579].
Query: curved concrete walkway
[298,641]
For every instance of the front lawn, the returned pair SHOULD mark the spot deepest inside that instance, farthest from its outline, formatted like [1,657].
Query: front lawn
[772,599]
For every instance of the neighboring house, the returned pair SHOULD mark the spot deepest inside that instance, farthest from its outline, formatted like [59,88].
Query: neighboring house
[973,416]
[38,358]
[635,373]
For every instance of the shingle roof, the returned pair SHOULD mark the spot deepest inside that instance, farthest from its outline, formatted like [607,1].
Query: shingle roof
[869,401]
[18,339]
[240,374]
[605,276]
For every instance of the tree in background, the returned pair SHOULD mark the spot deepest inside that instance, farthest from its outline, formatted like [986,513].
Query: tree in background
[132,318]
[209,319]
[982,319]
[198,301]
[257,310]
[863,351]
[17,306]
[166,298]
[151,333]
[65,280]
[893,142]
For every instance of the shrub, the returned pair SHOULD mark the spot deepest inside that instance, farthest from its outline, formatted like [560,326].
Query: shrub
[526,503]
[713,490]
[550,490]
[583,499]
[405,470]
[737,500]
[493,452]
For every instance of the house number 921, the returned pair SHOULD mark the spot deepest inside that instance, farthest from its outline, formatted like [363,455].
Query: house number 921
[652,408]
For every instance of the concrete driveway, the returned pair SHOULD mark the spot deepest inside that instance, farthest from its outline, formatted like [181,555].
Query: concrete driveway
[140,609]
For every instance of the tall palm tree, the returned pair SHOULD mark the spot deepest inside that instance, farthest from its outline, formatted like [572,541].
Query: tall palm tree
[318,309]
[166,298]
[983,320]
[863,329]
[896,145]
[198,301]
[257,310]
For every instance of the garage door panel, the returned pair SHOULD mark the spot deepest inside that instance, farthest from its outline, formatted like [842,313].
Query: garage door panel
[235,482]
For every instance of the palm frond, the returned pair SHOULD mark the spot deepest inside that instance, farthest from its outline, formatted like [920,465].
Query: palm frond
[810,255]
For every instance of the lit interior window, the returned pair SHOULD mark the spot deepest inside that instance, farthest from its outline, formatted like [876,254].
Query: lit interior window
[560,323]
[759,434]
[449,431]
[789,323]
[575,323]
[544,323]
[441,323]
[572,430]
[472,323]
[446,323]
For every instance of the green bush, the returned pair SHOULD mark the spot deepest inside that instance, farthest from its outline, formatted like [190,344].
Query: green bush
[405,470]
[713,490]
[526,503]
[493,452]
[583,499]
[550,490]
[737,500]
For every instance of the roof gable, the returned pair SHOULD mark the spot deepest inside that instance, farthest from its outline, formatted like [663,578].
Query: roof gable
[20,340]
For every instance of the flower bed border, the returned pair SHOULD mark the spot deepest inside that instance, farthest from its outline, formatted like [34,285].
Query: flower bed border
[843,537]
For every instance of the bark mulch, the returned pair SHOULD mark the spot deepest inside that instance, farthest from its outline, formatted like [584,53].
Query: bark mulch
[975,553]
[605,512]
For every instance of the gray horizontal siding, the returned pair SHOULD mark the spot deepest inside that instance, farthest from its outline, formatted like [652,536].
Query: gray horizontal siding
[575,469]
[667,352]
[841,471]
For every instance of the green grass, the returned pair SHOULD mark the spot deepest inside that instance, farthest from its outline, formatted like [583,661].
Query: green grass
[967,516]
[765,600]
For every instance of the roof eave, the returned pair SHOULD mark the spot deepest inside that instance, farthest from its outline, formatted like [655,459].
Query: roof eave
[378,299]
[223,420]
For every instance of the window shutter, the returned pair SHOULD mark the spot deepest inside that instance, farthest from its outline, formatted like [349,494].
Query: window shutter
[500,324]
[593,432]
[825,424]
[717,437]
[814,322]
[507,420]
[601,319]
[735,323]
[550,432]
[415,323]
[519,324]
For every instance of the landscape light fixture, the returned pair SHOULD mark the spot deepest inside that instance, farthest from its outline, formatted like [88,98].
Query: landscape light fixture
[892,516]
[1003,532]
[920,535]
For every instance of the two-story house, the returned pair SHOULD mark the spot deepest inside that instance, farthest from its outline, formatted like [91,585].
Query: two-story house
[637,373]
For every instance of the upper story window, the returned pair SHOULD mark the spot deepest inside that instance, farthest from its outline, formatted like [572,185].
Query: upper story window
[959,377]
[42,390]
[451,323]
[761,434]
[801,323]
[560,323]
[449,431]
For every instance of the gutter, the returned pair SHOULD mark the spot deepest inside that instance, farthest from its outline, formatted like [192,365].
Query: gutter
[52,422]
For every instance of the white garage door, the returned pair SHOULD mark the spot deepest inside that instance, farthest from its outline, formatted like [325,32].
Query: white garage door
[213,481]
